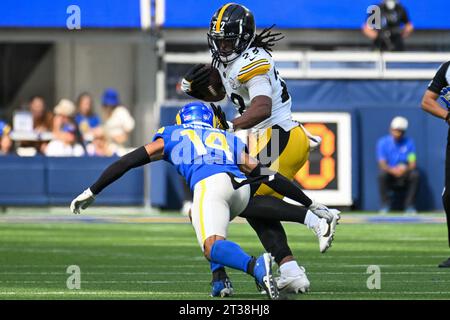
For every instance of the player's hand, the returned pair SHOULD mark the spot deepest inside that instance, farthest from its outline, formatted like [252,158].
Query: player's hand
[321,211]
[445,96]
[83,201]
[221,117]
[195,79]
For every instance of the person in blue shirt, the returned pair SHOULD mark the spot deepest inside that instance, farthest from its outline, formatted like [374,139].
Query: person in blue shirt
[219,170]
[396,155]
[85,117]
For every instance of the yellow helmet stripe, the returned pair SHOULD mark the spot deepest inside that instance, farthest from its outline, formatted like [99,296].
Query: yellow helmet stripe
[252,64]
[219,18]
[178,119]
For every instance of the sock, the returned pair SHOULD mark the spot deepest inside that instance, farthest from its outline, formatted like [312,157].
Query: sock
[218,271]
[290,269]
[230,254]
[311,220]
[215,266]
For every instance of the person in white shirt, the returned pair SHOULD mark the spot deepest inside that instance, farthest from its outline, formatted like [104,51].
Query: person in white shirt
[119,122]
[66,146]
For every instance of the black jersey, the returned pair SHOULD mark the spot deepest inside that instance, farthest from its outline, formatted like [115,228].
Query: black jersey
[441,79]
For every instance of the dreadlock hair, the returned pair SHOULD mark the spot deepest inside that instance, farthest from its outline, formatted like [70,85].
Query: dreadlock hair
[266,39]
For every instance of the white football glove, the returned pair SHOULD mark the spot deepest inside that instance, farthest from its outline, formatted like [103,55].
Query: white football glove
[321,211]
[83,201]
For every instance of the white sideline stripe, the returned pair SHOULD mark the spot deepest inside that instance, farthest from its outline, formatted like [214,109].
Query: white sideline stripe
[207,273]
[202,261]
[103,293]
[206,281]
[93,269]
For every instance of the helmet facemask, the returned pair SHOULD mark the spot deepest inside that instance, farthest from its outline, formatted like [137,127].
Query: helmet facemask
[231,32]
[229,48]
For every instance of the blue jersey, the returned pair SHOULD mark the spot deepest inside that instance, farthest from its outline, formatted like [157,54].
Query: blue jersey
[85,123]
[396,152]
[199,151]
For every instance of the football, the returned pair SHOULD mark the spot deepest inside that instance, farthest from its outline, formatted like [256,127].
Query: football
[215,88]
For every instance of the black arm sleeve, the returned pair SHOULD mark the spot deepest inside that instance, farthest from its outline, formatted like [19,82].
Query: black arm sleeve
[136,158]
[283,186]
[440,80]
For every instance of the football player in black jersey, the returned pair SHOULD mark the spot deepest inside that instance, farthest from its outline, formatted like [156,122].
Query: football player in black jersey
[439,90]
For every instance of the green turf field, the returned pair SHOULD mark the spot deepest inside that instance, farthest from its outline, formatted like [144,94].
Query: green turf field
[163,261]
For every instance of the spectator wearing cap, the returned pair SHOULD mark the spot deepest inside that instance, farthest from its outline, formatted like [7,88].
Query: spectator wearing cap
[64,114]
[85,117]
[66,140]
[6,144]
[66,145]
[119,122]
[397,162]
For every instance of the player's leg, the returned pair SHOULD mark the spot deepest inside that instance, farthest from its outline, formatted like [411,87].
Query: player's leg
[446,197]
[272,208]
[412,183]
[210,217]
[384,184]
[285,152]
[273,237]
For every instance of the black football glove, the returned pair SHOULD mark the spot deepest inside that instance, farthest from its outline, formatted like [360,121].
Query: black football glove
[221,117]
[196,80]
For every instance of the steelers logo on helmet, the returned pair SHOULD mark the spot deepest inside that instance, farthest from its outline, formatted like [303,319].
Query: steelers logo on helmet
[231,32]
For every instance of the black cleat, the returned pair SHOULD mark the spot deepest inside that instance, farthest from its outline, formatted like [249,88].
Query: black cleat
[445,264]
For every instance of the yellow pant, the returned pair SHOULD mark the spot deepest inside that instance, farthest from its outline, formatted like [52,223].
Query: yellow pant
[286,151]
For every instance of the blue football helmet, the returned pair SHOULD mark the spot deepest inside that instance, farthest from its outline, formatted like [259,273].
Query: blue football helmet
[196,112]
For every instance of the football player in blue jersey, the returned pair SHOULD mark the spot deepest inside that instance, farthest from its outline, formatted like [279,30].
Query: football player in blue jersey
[219,170]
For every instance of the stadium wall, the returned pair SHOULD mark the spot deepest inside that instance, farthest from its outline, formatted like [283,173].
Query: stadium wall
[56,181]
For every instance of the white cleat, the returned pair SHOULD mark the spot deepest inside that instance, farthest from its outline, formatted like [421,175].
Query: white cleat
[325,230]
[298,284]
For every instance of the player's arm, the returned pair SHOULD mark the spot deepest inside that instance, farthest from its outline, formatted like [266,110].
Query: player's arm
[253,168]
[437,87]
[431,105]
[151,152]
[260,109]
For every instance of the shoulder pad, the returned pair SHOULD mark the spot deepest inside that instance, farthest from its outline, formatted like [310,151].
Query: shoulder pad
[257,63]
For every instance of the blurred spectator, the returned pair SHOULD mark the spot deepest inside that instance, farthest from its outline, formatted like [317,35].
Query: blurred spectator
[64,114]
[85,118]
[42,122]
[397,161]
[100,146]
[66,145]
[6,144]
[119,122]
[395,27]
[42,119]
